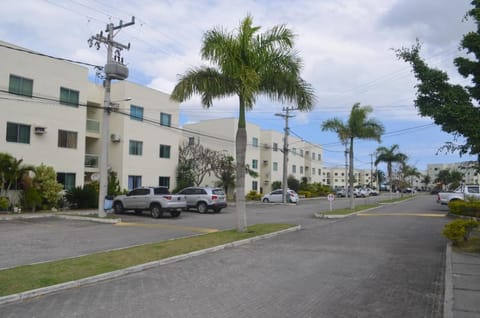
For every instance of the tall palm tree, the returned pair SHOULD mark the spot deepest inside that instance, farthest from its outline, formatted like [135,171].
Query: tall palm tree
[246,64]
[389,156]
[358,126]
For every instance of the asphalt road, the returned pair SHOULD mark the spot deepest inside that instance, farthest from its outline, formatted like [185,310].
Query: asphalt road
[387,262]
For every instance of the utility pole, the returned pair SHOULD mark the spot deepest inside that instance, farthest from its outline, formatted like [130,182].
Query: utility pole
[371,170]
[285,149]
[114,69]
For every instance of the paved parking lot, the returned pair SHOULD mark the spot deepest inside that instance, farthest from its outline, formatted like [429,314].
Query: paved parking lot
[26,241]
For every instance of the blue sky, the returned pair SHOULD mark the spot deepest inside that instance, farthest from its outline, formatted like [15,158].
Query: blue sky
[346,47]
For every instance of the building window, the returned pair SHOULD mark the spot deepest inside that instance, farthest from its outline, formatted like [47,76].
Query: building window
[275,146]
[275,166]
[164,181]
[254,185]
[164,151]
[67,139]
[18,133]
[134,182]
[165,119]
[135,148]
[254,164]
[294,169]
[313,156]
[67,179]
[301,152]
[255,142]
[136,112]
[20,86]
[69,97]
[319,157]
[191,141]
[294,151]
[313,171]
[301,169]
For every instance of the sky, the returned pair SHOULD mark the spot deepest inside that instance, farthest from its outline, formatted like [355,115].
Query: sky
[347,48]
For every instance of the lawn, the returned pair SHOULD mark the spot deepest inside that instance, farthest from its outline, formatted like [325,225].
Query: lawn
[28,277]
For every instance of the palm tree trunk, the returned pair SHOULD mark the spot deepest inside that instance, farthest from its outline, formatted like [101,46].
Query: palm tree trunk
[240,149]
[350,176]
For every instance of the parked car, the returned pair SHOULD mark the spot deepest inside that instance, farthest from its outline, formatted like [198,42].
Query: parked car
[461,193]
[155,199]
[276,196]
[341,193]
[204,198]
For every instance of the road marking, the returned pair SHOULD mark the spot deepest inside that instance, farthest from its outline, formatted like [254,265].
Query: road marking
[436,215]
[168,226]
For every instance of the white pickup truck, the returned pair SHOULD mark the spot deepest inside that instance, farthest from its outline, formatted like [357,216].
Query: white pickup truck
[155,199]
[461,193]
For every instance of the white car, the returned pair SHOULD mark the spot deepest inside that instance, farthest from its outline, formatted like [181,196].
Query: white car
[277,196]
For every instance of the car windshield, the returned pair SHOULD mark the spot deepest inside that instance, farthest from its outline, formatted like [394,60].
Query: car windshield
[218,192]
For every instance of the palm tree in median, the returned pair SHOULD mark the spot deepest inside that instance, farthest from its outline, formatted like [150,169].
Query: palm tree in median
[358,126]
[389,156]
[247,64]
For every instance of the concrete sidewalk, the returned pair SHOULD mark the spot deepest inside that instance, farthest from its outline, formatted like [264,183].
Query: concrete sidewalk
[462,285]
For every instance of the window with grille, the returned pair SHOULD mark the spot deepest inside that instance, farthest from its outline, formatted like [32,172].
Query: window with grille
[134,182]
[20,86]
[164,151]
[164,182]
[67,139]
[69,97]
[136,112]
[135,147]
[67,179]
[165,119]
[18,133]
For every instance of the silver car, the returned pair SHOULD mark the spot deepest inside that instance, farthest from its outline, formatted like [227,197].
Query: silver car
[204,198]
[277,196]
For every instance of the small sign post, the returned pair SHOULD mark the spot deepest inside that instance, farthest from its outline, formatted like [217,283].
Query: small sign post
[330,198]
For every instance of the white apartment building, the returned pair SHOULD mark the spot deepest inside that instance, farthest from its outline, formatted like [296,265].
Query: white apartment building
[336,177]
[264,152]
[470,175]
[51,113]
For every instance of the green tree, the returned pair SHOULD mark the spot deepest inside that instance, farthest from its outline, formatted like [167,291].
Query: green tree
[11,171]
[247,64]
[389,156]
[276,185]
[357,126]
[185,176]
[451,106]
[426,181]
[293,183]
[448,178]
[225,172]
[45,181]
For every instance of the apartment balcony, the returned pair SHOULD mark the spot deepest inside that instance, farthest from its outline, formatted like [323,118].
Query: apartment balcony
[91,162]
[93,128]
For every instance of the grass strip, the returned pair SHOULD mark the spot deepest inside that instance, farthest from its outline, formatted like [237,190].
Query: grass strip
[346,211]
[28,277]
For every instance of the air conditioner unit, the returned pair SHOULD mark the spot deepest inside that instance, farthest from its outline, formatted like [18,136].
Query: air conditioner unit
[265,162]
[40,130]
[115,138]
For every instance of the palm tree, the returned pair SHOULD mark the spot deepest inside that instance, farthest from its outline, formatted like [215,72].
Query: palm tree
[246,64]
[389,156]
[357,126]
[11,170]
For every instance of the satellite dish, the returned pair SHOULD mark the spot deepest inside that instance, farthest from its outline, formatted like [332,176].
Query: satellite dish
[94,177]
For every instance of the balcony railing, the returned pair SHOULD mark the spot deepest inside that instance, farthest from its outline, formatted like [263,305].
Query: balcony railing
[91,161]
[93,125]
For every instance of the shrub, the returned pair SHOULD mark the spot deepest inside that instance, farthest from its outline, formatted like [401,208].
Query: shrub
[253,196]
[465,208]
[305,193]
[45,181]
[83,198]
[459,230]
[31,199]
[4,203]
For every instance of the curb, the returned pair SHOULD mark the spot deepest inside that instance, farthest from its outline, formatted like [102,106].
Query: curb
[59,216]
[448,293]
[340,216]
[134,269]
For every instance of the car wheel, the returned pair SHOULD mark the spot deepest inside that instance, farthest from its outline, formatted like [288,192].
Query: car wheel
[156,211]
[202,207]
[175,214]
[118,208]
[266,200]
